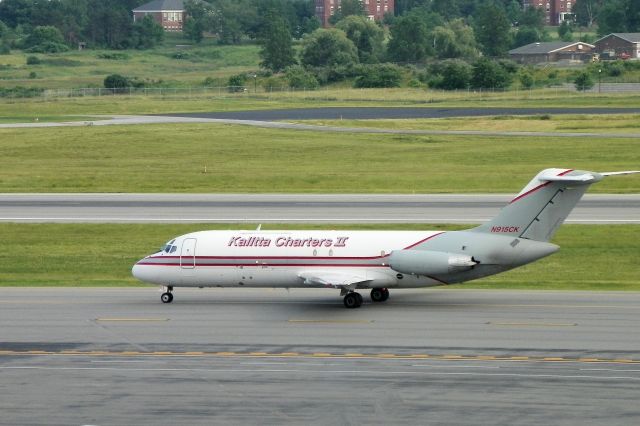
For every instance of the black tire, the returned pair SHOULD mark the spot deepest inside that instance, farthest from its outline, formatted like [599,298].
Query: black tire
[351,300]
[385,294]
[166,297]
[359,298]
[377,295]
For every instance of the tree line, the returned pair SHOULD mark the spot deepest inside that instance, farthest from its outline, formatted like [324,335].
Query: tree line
[51,26]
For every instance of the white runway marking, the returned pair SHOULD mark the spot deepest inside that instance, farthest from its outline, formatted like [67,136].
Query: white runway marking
[356,372]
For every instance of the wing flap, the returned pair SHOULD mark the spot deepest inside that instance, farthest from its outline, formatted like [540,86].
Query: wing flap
[333,278]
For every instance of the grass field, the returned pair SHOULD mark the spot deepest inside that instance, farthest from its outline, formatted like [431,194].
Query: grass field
[232,158]
[163,66]
[624,123]
[591,257]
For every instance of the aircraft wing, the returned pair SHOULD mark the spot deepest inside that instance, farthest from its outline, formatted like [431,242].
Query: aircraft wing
[333,279]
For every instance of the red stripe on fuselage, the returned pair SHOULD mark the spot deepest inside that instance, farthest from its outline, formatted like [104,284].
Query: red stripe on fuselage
[538,187]
[260,265]
[297,257]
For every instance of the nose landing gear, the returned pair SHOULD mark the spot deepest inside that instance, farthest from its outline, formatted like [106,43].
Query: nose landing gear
[167,296]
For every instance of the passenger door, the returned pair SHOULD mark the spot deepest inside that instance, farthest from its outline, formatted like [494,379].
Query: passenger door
[188,254]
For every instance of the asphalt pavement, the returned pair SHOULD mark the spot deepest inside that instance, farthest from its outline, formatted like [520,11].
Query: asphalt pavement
[293,208]
[249,356]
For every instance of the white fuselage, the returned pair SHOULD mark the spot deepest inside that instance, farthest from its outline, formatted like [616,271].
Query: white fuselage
[281,258]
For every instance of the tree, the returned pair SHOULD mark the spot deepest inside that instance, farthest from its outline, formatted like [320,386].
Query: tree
[454,40]
[192,29]
[277,45]
[488,74]
[147,33]
[409,39]
[365,35]
[328,48]
[564,31]
[583,81]
[347,8]
[43,34]
[16,12]
[612,18]
[109,24]
[586,11]
[492,30]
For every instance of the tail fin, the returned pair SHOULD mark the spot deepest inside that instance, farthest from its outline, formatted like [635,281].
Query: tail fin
[541,207]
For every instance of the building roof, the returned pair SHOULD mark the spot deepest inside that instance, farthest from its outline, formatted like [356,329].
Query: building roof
[545,47]
[161,6]
[630,37]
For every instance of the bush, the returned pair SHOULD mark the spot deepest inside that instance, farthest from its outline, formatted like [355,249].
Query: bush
[117,82]
[48,47]
[236,83]
[299,78]
[33,75]
[526,80]
[20,92]
[488,74]
[583,81]
[117,56]
[33,60]
[379,75]
[453,74]
[5,47]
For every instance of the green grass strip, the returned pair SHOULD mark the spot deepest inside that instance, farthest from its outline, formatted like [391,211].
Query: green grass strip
[230,158]
[592,257]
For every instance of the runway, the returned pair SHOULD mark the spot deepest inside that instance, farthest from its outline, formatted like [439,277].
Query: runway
[292,208]
[246,356]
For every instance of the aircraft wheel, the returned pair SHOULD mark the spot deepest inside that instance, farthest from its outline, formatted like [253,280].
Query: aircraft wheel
[166,297]
[378,294]
[352,300]
[385,294]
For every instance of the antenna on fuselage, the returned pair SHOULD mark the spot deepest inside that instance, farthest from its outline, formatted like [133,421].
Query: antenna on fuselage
[259,227]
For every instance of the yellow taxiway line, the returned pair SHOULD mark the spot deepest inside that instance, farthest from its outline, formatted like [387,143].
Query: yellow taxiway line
[442,357]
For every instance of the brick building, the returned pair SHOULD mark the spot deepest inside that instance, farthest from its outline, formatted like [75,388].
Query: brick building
[374,9]
[168,13]
[619,45]
[554,51]
[555,11]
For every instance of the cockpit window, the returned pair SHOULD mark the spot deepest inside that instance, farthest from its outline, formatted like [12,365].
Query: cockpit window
[170,248]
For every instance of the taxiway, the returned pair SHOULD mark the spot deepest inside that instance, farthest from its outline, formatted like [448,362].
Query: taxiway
[248,356]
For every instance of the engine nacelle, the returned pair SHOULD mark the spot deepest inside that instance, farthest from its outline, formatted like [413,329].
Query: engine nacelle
[426,262]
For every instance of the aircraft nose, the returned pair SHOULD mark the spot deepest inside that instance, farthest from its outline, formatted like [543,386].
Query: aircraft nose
[141,271]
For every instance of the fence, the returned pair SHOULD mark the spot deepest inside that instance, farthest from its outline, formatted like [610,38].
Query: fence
[416,95]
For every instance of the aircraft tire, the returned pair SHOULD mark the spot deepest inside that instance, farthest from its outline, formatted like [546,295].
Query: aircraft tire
[166,297]
[352,300]
[385,294]
[377,295]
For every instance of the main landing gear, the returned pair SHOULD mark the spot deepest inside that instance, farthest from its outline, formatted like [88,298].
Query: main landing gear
[354,300]
[379,294]
[167,297]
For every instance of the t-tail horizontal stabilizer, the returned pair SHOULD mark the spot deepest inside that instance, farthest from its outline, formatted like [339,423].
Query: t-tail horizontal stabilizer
[542,206]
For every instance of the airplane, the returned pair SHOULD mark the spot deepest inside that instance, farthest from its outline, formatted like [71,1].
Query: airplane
[375,260]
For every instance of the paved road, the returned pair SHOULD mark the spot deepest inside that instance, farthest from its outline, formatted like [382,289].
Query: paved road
[372,113]
[244,356]
[265,208]
[273,119]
